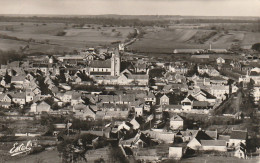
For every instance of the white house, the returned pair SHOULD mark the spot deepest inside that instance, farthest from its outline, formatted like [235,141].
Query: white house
[135,124]
[240,151]
[19,98]
[237,137]
[220,60]
[139,111]
[256,94]
[176,123]
[175,152]
[41,107]
[213,145]
[164,100]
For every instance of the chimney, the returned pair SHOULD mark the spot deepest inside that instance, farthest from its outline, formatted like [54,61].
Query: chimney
[209,46]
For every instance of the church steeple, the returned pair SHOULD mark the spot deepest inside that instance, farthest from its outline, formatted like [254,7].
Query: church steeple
[115,63]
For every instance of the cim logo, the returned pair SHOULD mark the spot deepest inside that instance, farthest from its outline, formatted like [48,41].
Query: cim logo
[19,149]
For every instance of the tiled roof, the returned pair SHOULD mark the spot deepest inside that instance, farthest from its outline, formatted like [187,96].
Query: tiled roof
[241,135]
[100,64]
[213,142]
[176,118]
[200,103]
[208,95]
[18,95]
[224,137]
[191,98]
[100,73]
[212,134]
[201,135]
[18,78]
[138,77]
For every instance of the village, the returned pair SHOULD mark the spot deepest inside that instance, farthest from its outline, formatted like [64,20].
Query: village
[149,108]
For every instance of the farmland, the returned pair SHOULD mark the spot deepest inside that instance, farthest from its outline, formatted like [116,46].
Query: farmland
[160,34]
[46,38]
[166,40]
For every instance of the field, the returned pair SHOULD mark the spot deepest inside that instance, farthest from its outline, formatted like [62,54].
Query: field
[161,34]
[191,37]
[218,159]
[53,37]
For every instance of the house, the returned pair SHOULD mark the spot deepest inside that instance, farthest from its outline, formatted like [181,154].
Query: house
[19,98]
[237,137]
[202,95]
[187,103]
[175,152]
[40,107]
[164,100]
[172,108]
[135,123]
[84,112]
[211,71]
[236,65]
[202,81]
[246,68]
[5,104]
[76,98]
[213,145]
[176,122]
[3,82]
[2,71]
[5,98]
[140,140]
[217,80]
[140,68]
[200,105]
[29,96]
[37,91]
[150,98]
[2,90]
[220,91]
[179,69]
[187,135]
[220,60]
[195,142]
[167,88]
[139,111]
[133,79]
[19,80]
[240,151]
[126,126]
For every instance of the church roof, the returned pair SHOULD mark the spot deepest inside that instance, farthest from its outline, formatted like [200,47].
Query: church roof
[100,64]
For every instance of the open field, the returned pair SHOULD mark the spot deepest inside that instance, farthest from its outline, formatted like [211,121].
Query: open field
[163,34]
[44,37]
[219,159]
[166,40]
[43,157]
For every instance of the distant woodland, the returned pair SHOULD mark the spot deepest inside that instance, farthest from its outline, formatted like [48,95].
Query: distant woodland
[87,20]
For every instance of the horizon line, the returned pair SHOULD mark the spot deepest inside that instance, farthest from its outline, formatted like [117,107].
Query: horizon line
[75,15]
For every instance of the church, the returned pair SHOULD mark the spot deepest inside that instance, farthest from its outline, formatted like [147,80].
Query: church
[109,67]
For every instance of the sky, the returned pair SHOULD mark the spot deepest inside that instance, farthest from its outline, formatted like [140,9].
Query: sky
[133,7]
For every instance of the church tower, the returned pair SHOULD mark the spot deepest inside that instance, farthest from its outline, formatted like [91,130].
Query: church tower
[115,63]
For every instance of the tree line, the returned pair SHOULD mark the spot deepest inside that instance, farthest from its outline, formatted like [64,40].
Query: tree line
[87,20]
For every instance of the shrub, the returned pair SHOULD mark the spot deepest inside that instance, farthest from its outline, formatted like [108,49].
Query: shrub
[256,47]
[61,33]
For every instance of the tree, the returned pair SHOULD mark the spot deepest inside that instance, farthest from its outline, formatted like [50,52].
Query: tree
[193,70]
[256,47]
